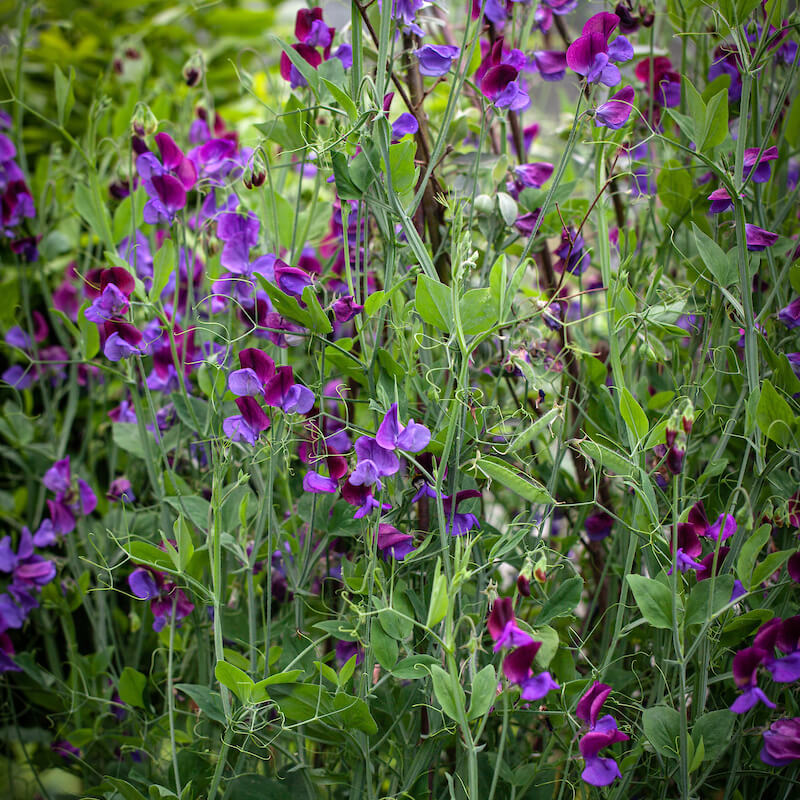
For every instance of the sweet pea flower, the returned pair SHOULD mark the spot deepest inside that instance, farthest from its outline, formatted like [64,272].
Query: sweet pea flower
[503,628]
[593,56]
[602,733]
[758,239]
[550,64]
[436,60]
[391,435]
[345,308]
[498,77]
[394,543]
[720,201]
[790,315]
[374,463]
[614,113]
[147,584]
[517,667]
[756,167]
[249,424]
[782,742]
[745,667]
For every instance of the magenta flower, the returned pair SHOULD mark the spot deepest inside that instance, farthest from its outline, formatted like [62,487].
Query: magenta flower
[290,280]
[374,462]
[71,498]
[392,435]
[503,628]
[498,77]
[249,424]
[745,667]
[790,315]
[345,308]
[598,525]
[758,239]
[436,60]
[165,181]
[534,174]
[517,668]
[591,54]
[394,543]
[757,167]
[154,586]
[551,64]
[602,733]
[782,742]
[614,113]
[720,201]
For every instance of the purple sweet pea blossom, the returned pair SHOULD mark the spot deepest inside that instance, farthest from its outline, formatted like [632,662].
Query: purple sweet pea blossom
[758,239]
[720,201]
[162,593]
[436,60]
[614,113]
[593,56]
[602,733]
[551,64]
[394,543]
[405,124]
[790,315]
[517,667]
[374,463]
[757,167]
[249,424]
[345,308]
[782,742]
[745,668]
[503,628]
[391,435]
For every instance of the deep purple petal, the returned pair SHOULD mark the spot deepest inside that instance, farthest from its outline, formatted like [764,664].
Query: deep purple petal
[143,584]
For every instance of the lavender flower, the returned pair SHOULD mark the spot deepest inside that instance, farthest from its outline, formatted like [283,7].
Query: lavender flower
[436,60]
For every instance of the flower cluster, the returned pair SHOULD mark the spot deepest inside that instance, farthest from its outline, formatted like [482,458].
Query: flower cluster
[16,198]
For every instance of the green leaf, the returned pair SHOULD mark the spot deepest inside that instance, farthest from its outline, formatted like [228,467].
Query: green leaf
[285,305]
[506,475]
[164,264]
[319,319]
[260,693]
[697,753]
[345,188]
[354,713]
[434,303]
[662,726]
[725,272]
[697,108]
[715,129]
[65,97]
[131,687]
[477,311]
[150,555]
[239,682]
[414,667]
[439,597]
[383,645]
[774,415]
[196,508]
[715,729]
[750,550]
[401,165]
[674,186]
[772,563]
[653,599]
[124,788]
[562,601]
[697,607]
[634,416]
[207,700]
[484,691]
[90,337]
[449,693]
[94,211]
[342,98]
[126,436]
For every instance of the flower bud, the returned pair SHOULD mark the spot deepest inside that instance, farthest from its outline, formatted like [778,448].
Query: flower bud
[484,204]
[193,70]
[675,457]
[687,419]
[540,569]
[523,586]
[143,121]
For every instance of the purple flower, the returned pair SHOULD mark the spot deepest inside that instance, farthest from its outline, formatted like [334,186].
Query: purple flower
[282,392]
[591,54]
[436,60]
[121,489]
[571,255]
[534,174]
[391,435]
[614,113]
[551,64]
[249,424]
[503,628]
[394,543]
[598,525]
[162,594]
[723,528]
[758,239]
[756,167]
[790,315]
[782,742]
[345,308]
[406,123]
[290,280]
[602,733]
[6,651]
[517,668]
[111,303]
[745,668]
[315,483]
[720,201]
[374,462]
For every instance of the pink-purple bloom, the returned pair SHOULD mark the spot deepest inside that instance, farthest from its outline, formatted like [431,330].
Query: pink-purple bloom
[759,239]
[602,733]
[782,742]
[436,60]
[503,628]
[614,113]
[594,56]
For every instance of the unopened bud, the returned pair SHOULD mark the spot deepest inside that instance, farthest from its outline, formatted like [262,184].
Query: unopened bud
[143,121]
[193,70]
[647,18]
[540,569]
[523,586]
[675,457]
[484,204]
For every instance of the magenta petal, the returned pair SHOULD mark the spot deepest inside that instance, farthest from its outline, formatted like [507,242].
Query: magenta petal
[600,771]
[538,686]
[592,701]
[604,23]
[517,664]
[171,154]
[582,53]
[535,174]
[497,79]
[502,612]
[57,479]
[170,191]
[614,113]
[759,239]
[88,499]
[786,669]
[259,362]
[252,413]
[276,388]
